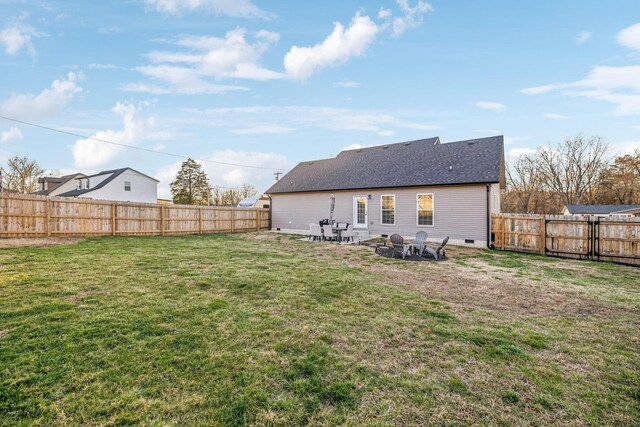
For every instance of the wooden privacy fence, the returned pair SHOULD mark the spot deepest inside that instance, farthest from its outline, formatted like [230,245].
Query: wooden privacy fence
[607,239]
[38,216]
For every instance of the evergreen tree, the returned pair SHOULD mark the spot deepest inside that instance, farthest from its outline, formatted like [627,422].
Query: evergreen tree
[191,186]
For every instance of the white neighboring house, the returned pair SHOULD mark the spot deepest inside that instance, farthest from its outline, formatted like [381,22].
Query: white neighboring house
[125,184]
[56,185]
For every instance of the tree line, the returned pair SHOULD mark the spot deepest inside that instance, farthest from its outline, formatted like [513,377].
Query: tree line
[575,171]
[190,187]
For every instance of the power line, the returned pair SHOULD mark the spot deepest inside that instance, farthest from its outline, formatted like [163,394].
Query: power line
[132,146]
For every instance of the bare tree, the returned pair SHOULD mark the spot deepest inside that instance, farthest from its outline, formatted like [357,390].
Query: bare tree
[216,196]
[620,182]
[231,197]
[525,184]
[22,174]
[573,167]
[247,190]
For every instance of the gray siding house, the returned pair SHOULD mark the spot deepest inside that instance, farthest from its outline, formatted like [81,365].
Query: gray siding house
[445,189]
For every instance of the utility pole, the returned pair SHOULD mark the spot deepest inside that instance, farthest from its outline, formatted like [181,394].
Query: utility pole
[277,174]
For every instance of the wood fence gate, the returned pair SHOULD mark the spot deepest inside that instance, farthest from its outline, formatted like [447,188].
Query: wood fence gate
[601,239]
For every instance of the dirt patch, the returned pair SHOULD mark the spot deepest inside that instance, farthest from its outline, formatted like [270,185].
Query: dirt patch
[77,298]
[40,241]
[474,284]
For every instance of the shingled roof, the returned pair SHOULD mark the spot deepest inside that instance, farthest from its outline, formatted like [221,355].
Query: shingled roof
[418,163]
[112,175]
[54,182]
[599,209]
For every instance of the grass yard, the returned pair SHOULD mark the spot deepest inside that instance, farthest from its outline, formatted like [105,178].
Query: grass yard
[261,329]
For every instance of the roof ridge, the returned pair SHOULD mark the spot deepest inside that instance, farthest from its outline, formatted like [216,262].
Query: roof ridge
[437,138]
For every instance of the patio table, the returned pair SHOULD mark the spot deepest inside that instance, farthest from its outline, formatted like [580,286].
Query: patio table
[339,231]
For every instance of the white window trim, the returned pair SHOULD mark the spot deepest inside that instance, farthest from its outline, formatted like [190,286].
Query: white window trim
[394,208]
[433,208]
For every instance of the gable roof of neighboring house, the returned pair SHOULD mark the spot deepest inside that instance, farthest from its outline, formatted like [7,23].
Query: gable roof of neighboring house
[114,173]
[54,182]
[423,162]
[600,209]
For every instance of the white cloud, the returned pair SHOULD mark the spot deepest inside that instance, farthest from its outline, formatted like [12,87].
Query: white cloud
[513,139]
[204,58]
[636,127]
[330,118]
[625,147]
[356,147]
[262,129]
[583,36]
[178,80]
[16,36]
[538,90]
[230,176]
[342,119]
[111,29]
[101,66]
[630,37]
[555,116]
[91,154]
[341,45]
[616,85]
[44,105]
[12,134]
[347,84]
[515,152]
[413,16]
[384,13]
[232,8]
[493,106]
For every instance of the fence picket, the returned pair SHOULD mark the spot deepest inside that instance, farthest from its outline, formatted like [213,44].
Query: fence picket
[611,239]
[31,216]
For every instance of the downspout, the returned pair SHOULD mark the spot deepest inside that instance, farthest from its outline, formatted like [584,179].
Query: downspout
[270,212]
[489,216]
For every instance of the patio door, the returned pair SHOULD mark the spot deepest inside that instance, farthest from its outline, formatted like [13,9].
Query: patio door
[360,212]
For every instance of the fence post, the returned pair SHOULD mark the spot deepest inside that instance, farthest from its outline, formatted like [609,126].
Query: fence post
[233,220]
[200,220]
[48,219]
[257,220]
[113,219]
[543,235]
[161,220]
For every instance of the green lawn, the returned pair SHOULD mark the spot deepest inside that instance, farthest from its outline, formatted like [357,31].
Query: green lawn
[262,329]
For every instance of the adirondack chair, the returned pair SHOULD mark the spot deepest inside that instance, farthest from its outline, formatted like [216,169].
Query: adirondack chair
[435,253]
[421,239]
[398,245]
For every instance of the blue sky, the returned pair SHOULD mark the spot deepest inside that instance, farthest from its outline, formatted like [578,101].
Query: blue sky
[269,84]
